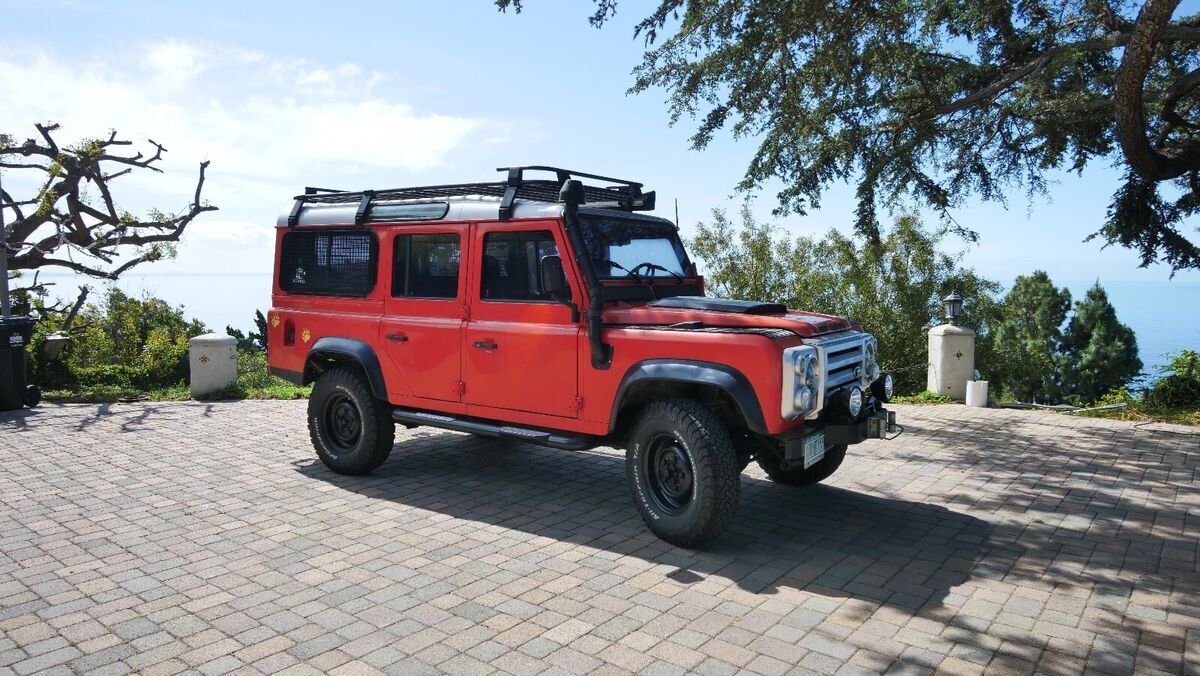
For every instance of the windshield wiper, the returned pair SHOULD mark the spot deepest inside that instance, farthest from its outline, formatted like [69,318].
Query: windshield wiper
[622,268]
[656,266]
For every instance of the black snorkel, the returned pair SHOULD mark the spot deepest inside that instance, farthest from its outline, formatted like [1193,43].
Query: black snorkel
[572,195]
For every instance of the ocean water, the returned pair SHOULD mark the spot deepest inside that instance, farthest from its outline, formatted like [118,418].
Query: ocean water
[1164,315]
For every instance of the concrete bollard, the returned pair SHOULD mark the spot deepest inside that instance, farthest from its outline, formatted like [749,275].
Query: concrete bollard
[212,359]
[951,360]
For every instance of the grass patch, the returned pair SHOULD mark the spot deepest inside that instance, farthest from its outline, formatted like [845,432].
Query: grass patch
[254,382]
[922,398]
[1140,411]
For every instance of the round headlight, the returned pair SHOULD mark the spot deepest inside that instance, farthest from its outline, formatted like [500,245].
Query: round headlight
[874,372]
[855,401]
[888,386]
[798,362]
[803,400]
[810,372]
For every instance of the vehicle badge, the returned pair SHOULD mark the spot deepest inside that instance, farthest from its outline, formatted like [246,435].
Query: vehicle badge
[275,320]
[305,335]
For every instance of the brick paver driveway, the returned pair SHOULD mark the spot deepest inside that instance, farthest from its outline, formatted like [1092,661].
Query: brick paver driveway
[168,537]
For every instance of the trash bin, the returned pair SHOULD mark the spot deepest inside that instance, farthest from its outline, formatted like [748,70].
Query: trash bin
[15,392]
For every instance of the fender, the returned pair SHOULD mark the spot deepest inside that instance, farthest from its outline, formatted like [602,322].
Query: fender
[725,378]
[347,349]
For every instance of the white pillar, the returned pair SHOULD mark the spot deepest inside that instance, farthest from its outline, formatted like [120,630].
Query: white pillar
[212,358]
[951,360]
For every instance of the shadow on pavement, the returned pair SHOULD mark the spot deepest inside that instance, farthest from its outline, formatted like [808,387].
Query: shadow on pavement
[828,540]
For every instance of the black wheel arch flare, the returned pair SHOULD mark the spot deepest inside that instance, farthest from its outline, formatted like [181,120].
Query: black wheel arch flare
[340,351]
[693,372]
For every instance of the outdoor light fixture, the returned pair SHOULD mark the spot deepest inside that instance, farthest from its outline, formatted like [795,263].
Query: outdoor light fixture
[953,304]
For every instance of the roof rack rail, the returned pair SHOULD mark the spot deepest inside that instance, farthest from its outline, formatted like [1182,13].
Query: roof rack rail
[620,194]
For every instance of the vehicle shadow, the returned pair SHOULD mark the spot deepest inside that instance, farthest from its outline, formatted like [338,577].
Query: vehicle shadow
[825,539]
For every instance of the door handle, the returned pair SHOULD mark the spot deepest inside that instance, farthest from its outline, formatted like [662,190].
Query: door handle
[484,345]
[397,337]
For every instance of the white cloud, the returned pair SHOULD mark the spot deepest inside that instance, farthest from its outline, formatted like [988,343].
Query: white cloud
[269,126]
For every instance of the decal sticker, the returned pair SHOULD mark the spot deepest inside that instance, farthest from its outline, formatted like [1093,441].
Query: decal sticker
[305,335]
[298,278]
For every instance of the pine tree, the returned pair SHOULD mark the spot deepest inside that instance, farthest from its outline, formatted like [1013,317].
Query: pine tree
[1027,341]
[1099,354]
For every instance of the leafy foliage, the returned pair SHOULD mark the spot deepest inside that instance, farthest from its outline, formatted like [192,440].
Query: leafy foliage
[1180,387]
[935,101]
[252,341]
[893,288]
[121,342]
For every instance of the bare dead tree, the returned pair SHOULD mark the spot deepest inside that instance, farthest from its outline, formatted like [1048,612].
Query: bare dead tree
[72,220]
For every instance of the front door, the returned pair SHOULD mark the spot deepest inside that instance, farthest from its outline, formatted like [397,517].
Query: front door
[519,347]
[424,313]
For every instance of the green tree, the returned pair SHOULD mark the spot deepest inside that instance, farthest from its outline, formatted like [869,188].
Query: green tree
[252,341]
[937,101]
[1098,353]
[72,219]
[1028,338]
[892,288]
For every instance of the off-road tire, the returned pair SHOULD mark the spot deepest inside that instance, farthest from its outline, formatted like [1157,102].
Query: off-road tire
[342,398]
[798,476]
[708,460]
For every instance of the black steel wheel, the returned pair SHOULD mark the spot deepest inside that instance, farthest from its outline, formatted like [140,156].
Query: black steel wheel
[668,469]
[683,471]
[352,431]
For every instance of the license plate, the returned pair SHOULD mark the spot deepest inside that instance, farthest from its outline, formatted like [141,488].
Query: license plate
[814,448]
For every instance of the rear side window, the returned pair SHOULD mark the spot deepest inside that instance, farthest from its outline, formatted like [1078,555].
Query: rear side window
[510,265]
[329,262]
[426,266]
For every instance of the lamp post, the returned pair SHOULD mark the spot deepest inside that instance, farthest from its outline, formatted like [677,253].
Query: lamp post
[951,352]
[953,304]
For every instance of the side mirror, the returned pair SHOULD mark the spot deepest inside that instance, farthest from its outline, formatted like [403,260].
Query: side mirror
[554,283]
[554,279]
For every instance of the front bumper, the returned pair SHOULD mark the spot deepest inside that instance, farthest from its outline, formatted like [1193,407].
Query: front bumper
[876,423]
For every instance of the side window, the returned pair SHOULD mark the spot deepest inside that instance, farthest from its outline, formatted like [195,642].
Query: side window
[426,266]
[328,262]
[511,265]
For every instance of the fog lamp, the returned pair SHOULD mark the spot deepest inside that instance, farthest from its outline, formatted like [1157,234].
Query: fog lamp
[854,402]
[883,387]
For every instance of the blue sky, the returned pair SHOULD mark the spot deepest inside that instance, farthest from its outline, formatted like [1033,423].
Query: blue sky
[356,95]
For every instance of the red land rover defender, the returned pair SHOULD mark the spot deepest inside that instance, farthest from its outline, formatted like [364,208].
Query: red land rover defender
[551,312]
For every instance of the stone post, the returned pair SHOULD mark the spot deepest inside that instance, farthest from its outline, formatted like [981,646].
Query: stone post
[951,360]
[212,359]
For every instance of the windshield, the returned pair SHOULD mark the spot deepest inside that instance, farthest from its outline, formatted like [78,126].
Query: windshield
[618,246]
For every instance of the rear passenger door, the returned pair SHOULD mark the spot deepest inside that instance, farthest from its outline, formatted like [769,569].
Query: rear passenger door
[519,347]
[423,319]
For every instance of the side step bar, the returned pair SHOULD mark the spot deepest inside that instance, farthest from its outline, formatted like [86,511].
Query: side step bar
[563,440]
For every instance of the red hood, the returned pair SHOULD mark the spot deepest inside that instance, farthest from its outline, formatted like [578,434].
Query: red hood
[804,324]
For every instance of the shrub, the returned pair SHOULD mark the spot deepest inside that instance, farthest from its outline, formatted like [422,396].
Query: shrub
[123,342]
[1180,388]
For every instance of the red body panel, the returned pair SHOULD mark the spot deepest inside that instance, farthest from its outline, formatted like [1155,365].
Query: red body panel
[540,371]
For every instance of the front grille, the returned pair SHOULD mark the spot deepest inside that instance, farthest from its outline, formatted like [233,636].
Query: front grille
[841,357]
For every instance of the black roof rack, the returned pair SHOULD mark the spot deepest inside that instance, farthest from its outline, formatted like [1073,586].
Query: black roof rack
[626,195]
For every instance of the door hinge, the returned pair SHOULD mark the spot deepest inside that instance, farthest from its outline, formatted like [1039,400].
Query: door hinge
[575,403]
[466,312]
[459,387]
